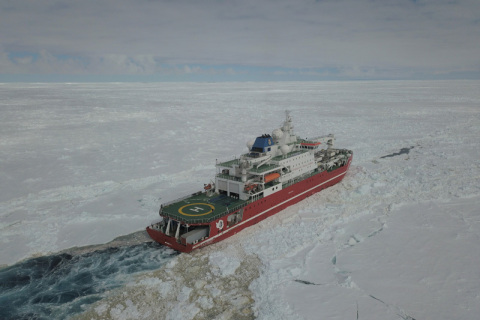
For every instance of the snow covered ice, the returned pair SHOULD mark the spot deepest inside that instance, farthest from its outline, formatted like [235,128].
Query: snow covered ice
[82,164]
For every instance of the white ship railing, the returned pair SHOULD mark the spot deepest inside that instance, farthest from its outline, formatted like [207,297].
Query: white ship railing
[210,218]
[228,177]
[179,199]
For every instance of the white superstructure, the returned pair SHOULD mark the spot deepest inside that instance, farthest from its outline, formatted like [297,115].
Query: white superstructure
[274,161]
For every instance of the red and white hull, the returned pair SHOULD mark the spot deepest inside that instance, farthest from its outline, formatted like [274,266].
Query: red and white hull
[257,211]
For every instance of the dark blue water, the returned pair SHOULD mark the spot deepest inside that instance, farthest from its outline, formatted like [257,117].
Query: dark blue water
[55,287]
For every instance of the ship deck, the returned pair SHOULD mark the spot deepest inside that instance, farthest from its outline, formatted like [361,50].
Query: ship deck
[199,208]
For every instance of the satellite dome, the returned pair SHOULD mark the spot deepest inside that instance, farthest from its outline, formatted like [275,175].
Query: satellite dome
[250,144]
[285,149]
[277,134]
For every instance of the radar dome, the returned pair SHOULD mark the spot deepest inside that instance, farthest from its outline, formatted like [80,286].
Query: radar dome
[250,144]
[277,134]
[285,149]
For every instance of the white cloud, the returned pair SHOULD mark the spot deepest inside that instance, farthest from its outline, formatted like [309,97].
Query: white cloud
[141,37]
[24,60]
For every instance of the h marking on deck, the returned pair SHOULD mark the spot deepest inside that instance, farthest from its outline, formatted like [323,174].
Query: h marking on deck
[196,209]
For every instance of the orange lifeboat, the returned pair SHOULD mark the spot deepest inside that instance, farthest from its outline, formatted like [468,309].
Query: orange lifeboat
[271,177]
[250,187]
[207,187]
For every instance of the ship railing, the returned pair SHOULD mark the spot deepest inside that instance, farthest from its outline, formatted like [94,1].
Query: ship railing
[228,177]
[310,174]
[255,155]
[265,168]
[233,209]
[288,155]
[228,163]
[165,204]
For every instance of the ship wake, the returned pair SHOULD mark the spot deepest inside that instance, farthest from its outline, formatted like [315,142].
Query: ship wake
[63,284]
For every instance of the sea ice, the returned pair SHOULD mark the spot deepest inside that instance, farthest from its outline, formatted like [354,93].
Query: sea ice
[396,239]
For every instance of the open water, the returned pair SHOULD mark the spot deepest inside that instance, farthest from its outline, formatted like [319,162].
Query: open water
[58,286]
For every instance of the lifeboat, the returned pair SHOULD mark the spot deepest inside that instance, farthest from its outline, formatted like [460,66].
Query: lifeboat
[249,187]
[271,177]
[207,186]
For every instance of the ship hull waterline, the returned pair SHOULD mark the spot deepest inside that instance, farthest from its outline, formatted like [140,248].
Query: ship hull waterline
[259,210]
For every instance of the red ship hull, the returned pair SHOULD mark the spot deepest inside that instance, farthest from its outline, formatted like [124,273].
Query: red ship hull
[260,209]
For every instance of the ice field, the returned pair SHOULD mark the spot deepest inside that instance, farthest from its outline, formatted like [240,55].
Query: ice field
[82,164]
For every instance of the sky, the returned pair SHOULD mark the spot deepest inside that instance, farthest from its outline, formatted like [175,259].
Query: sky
[245,40]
